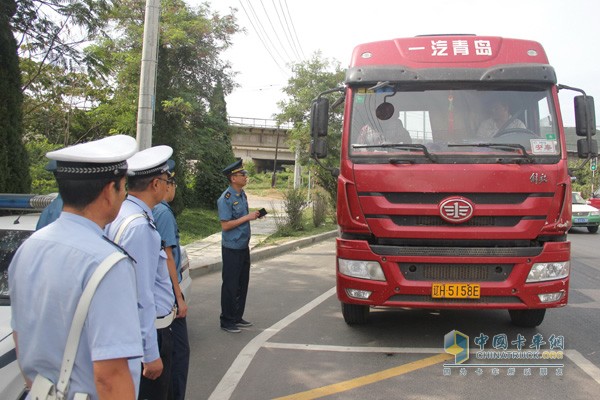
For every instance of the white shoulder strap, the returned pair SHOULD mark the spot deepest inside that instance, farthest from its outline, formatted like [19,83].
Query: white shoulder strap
[124,225]
[79,319]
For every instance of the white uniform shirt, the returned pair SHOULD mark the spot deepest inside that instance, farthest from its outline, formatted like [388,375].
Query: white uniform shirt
[155,293]
[46,278]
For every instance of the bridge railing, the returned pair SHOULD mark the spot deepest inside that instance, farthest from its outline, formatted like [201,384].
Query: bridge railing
[257,123]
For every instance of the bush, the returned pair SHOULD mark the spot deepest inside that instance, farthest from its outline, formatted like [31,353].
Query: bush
[294,202]
[319,208]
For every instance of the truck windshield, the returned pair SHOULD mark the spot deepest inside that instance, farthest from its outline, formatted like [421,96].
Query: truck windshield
[472,125]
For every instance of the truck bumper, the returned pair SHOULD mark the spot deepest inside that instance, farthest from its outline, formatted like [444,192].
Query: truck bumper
[404,289]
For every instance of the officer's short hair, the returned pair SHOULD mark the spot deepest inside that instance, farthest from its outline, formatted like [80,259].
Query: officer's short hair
[78,193]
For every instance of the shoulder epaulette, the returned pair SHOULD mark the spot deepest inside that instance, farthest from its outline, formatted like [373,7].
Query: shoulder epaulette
[121,249]
[228,195]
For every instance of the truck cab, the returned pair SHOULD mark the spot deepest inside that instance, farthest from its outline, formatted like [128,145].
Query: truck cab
[453,186]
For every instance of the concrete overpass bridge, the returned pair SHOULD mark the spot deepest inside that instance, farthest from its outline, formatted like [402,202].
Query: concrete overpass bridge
[261,141]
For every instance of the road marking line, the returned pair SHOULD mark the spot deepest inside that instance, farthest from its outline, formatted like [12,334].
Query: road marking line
[236,371]
[583,363]
[351,349]
[368,379]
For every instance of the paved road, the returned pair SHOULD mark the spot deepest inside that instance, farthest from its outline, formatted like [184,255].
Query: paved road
[300,342]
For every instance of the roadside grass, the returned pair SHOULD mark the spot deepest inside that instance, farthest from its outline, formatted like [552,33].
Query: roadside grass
[284,233]
[197,223]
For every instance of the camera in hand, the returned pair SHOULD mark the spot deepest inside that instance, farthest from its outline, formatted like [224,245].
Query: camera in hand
[262,212]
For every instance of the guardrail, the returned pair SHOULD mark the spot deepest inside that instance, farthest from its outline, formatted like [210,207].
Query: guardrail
[258,123]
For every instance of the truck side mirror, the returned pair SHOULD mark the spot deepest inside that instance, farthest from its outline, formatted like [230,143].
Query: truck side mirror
[319,120]
[585,116]
[586,149]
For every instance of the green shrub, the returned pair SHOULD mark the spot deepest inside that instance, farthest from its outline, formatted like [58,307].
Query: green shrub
[294,202]
[319,208]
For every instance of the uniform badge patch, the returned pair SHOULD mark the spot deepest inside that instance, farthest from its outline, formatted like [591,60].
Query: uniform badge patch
[227,195]
[235,203]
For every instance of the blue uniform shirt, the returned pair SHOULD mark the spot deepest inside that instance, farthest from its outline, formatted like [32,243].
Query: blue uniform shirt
[50,213]
[155,293]
[47,276]
[166,224]
[233,205]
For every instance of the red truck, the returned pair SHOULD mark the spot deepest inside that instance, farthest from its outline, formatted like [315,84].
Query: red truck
[453,185]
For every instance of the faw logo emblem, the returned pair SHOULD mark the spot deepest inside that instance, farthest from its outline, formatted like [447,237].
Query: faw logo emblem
[456,210]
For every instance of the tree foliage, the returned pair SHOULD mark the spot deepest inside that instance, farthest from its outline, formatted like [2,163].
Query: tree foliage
[311,78]
[81,71]
[13,157]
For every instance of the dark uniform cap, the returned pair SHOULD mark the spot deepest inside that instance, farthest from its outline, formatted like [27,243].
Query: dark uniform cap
[93,160]
[234,168]
[171,168]
[150,162]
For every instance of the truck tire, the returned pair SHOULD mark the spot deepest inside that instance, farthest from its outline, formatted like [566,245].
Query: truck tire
[527,318]
[355,314]
[592,229]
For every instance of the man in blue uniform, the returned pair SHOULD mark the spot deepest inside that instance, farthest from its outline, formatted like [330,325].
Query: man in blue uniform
[53,210]
[49,271]
[235,224]
[134,229]
[166,224]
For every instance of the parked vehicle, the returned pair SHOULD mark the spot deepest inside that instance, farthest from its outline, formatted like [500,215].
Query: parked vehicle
[14,229]
[584,215]
[594,200]
[434,211]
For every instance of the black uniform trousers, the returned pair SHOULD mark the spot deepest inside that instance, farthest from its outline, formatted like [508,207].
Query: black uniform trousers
[181,359]
[159,388]
[236,276]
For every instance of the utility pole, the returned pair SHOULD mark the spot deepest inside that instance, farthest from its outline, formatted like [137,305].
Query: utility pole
[146,103]
[274,177]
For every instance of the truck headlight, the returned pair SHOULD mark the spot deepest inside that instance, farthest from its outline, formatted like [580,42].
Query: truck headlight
[361,269]
[548,271]
[594,213]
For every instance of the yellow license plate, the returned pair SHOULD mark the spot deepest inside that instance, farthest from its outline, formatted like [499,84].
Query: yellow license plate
[455,291]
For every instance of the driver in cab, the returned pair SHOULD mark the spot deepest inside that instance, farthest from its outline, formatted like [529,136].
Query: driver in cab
[501,120]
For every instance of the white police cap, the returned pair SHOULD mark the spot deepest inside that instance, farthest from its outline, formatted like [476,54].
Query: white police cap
[148,162]
[96,159]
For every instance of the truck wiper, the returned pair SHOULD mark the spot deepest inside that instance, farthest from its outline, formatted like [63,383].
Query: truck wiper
[399,146]
[498,146]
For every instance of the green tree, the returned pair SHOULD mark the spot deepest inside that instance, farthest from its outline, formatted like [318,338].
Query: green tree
[311,78]
[188,74]
[52,32]
[13,156]
[216,152]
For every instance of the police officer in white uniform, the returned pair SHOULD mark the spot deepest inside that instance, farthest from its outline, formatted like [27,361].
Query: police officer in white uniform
[135,231]
[50,270]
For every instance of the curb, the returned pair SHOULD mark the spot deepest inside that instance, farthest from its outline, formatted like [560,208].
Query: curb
[264,253]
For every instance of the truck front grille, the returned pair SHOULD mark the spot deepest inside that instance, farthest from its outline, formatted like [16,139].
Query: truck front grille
[456,272]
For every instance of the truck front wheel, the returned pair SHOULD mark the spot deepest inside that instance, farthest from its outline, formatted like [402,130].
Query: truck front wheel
[592,229]
[527,318]
[355,314]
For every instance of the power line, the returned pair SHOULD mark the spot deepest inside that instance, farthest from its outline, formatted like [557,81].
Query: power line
[294,29]
[275,32]
[277,49]
[260,37]
[287,36]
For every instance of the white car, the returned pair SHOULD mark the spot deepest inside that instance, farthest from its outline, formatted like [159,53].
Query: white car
[584,215]
[186,280]
[14,229]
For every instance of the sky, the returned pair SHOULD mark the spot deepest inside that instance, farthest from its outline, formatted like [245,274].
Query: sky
[568,30]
